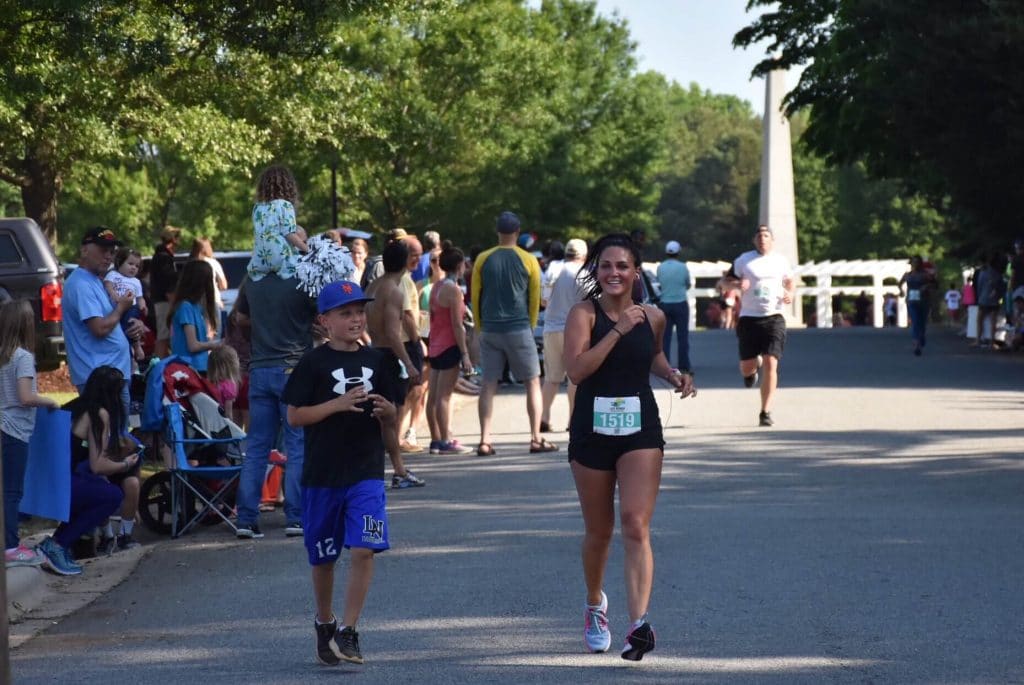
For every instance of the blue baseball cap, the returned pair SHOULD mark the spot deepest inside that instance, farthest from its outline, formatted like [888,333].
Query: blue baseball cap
[508,222]
[339,294]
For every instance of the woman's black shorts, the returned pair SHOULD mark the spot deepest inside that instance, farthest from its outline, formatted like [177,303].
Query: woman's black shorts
[448,359]
[602,452]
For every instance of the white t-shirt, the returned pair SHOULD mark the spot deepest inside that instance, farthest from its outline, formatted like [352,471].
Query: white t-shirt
[124,285]
[548,278]
[766,274]
[952,300]
[564,294]
[218,273]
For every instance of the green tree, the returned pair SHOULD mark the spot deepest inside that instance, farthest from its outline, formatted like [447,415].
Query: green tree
[87,81]
[714,165]
[494,105]
[919,90]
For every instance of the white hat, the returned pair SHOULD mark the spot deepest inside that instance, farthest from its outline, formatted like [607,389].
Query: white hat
[672,247]
[576,247]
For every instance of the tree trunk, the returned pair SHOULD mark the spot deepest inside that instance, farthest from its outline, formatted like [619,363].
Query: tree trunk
[39,196]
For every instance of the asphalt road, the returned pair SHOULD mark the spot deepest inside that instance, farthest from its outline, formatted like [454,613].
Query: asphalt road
[874,535]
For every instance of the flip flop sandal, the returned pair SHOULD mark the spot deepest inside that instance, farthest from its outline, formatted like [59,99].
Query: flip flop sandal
[542,446]
[484,449]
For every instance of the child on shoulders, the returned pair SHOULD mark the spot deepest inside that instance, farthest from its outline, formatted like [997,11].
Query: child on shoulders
[278,240]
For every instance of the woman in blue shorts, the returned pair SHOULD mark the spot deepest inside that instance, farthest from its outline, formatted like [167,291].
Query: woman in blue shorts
[612,345]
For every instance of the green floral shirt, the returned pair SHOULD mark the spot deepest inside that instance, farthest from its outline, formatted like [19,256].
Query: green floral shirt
[271,252]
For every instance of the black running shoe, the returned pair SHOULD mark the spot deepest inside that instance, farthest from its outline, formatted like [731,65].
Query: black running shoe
[327,651]
[765,420]
[750,381]
[347,640]
[639,641]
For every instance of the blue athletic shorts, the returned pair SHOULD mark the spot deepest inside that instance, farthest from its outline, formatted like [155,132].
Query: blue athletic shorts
[350,516]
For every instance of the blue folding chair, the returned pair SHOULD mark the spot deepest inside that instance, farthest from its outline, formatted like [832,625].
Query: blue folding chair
[197,491]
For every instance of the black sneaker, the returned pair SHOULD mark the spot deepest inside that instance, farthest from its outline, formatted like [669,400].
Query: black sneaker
[293,529]
[765,420]
[750,381]
[639,641]
[248,531]
[106,546]
[126,541]
[347,640]
[327,651]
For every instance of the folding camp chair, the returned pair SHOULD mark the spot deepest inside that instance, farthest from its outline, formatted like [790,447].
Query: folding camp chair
[198,491]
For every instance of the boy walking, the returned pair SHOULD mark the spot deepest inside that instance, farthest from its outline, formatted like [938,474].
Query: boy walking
[343,395]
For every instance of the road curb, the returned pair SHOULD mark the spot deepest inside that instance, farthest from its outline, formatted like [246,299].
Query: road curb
[37,599]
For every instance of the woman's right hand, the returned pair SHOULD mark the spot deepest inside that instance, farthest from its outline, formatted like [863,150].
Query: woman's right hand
[630,318]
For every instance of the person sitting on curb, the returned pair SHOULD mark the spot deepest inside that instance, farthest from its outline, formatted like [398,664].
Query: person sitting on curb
[96,418]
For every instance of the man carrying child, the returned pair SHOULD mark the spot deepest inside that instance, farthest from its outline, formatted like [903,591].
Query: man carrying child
[343,394]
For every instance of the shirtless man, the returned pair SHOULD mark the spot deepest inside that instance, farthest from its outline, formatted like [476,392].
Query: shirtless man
[384,323]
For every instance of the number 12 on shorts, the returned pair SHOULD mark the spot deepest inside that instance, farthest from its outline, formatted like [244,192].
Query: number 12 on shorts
[326,548]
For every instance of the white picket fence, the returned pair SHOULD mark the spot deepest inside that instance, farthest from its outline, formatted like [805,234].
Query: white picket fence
[879,270]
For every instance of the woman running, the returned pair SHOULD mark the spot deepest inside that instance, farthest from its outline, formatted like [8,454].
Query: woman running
[612,345]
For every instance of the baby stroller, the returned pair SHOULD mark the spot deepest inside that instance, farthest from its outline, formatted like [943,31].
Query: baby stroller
[202,450]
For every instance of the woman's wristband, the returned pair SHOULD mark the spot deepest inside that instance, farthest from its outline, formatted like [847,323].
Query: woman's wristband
[616,330]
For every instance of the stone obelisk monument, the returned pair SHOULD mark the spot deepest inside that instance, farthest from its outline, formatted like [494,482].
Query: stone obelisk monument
[778,206]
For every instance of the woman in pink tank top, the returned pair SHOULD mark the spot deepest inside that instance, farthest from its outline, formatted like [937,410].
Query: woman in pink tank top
[448,351]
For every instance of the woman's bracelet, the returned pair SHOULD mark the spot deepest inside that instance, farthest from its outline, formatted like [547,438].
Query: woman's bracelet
[616,330]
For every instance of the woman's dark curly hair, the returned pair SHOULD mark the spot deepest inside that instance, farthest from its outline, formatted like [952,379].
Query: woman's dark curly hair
[587,276]
[277,183]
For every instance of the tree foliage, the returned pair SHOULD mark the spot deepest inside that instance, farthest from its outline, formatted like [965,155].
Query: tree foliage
[925,91]
[708,197]
[86,80]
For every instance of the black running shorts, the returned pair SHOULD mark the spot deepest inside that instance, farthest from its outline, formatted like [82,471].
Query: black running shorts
[761,335]
[601,452]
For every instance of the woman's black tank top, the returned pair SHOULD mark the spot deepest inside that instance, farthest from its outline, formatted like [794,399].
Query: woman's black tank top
[625,372]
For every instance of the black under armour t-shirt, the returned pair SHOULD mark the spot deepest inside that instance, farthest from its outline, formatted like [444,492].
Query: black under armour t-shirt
[346,447]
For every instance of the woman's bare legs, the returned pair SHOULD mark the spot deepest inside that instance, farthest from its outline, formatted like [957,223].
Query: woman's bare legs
[596,490]
[639,475]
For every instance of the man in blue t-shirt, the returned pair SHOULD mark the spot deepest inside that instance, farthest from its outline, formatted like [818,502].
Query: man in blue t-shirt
[674,278]
[92,324]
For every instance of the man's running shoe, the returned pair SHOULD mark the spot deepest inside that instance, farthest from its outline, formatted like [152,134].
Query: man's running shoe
[58,559]
[293,529]
[409,480]
[347,640]
[248,531]
[750,381]
[765,420]
[595,626]
[327,651]
[23,556]
[639,641]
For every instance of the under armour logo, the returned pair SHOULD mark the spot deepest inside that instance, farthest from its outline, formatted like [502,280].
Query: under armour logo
[344,381]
